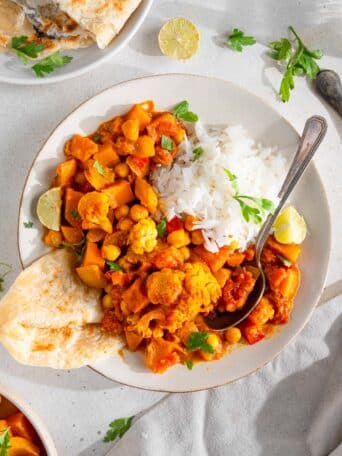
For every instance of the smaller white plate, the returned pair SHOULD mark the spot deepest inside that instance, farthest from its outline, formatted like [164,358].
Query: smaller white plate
[13,71]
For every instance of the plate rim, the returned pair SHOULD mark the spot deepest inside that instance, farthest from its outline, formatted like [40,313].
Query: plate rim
[91,66]
[312,165]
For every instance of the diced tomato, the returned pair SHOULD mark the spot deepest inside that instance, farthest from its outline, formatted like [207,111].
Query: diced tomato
[252,333]
[174,224]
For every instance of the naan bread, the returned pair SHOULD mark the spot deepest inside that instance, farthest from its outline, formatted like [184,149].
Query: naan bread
[103,18]
[50,318]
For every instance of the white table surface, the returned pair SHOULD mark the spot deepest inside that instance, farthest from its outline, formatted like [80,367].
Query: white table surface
[77,406]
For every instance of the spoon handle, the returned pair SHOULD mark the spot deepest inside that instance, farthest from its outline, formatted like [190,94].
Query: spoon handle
[329,85]
[313,134]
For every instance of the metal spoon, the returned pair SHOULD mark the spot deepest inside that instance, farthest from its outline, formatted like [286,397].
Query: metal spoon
[313,134]
[329,85]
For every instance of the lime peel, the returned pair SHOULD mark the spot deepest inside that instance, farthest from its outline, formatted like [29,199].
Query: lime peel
[49,208]
[179,38]
[290,227]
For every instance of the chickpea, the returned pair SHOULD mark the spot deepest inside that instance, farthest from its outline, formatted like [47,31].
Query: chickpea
[178,238]
[138,212]
[121,211]
[107,302]
[125,224]
[111,252]
[121,170]
[185,252]
[197,237]
[214,341]
[108,288]
[233,335]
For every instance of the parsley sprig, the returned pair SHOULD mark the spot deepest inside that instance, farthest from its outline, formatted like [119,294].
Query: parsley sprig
[181,111]
[5,441]
[250,213]
[189,364]
[25,48]
[198,341]
[113,266]
[167,143]
[50,64]
[237,40]
[161,228]
[7,269]
[28,224]
[198,152]
[118,428]
[297,59]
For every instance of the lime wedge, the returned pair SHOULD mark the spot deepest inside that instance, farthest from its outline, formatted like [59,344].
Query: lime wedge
[179,38]
[49,208]
[289,227]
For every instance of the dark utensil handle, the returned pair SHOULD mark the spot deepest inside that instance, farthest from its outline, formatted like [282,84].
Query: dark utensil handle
[329,85]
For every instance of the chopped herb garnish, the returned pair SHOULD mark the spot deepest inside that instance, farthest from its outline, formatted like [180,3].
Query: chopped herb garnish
[99,168]
[198,341]
[75,214]
[5,441]
[118,428]
[167,143]
[78,247]
[237,40]
[254,213]
[297,59]
[8,269]
[97,138]
[25,48]
[198,152]
[161,228]
[285,261]
[50,64]
[113,266]
[28,224]
[189,364]
[181,111]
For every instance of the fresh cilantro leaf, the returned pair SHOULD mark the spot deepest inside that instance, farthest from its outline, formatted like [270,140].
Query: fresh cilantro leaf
[161,228]
[167,143]
[189,364]
[197,340]
[113,266]
[237,40]
[75,214]
[233,180]
[263,203]
[198,152]
[5,442]
[285,261]
[99,168]
[97,138]
[28,224]
[26,48]
[118,428]
[282,49]
[50,64]
[78,247]
[249,213]
[8,269]
[181,111]
[286,85]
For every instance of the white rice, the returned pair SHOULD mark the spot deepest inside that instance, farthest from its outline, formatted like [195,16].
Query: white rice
[202,188]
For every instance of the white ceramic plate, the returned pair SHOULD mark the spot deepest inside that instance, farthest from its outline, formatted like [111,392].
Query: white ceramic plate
[36,422]
[14,72]
[216,102]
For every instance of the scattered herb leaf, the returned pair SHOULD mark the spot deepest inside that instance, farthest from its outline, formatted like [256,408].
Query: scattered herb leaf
[198,340]
[233,180]
[5,442]
[166,143]
[75,214]
[198,152]
[99,168]
[118,428]
[78,247]
[237,40]
[28,224]
[8,269]
[297,59]
[181,111]
[50,64]
[97,138]
[189,364]
[25,48]
[161,228]
[113,266]
[285,261]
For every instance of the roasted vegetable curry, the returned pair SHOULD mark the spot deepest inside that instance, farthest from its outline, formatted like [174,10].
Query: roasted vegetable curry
[158,280]
[17,435]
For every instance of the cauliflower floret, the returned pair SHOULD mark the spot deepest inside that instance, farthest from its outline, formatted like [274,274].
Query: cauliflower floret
[143,236]
[165,286]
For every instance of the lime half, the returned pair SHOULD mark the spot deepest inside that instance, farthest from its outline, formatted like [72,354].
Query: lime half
[289,227]
[179,38]
[49,208]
